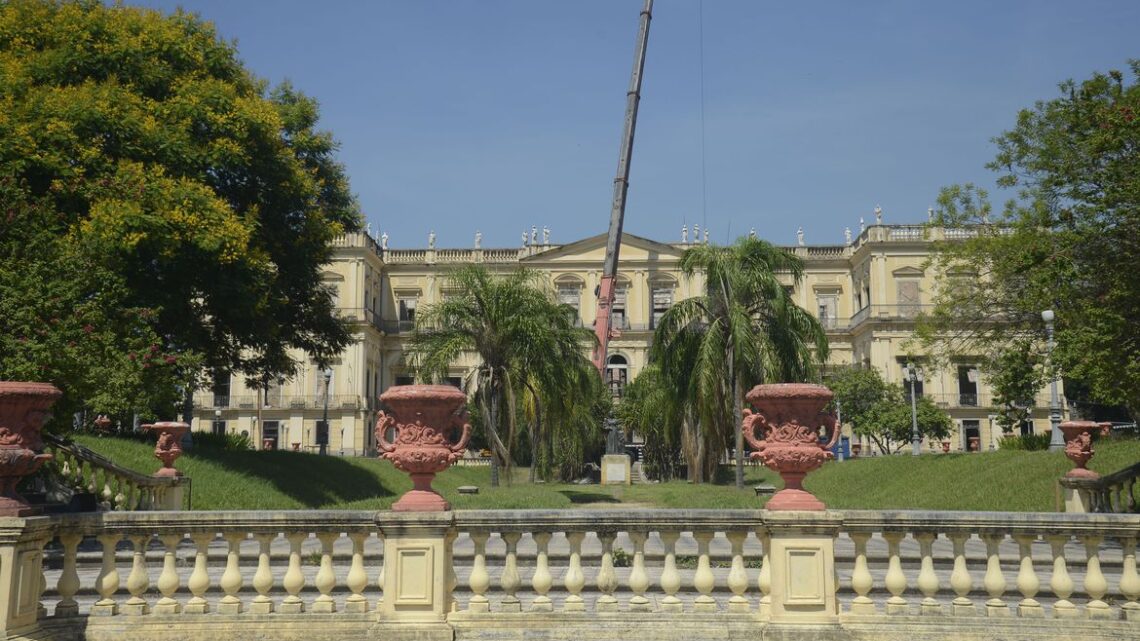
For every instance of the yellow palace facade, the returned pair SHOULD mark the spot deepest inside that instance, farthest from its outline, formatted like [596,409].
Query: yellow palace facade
[866,292]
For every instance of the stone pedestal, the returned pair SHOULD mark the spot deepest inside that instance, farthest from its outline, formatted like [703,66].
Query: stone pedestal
[616,469]
[417,576]
[803,560]
[1077,500]
[21,572]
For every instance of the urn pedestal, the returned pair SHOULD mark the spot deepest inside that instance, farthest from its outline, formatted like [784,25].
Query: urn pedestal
[169,445]
[1078,446]
[424,417]
[790,417]
[23,409]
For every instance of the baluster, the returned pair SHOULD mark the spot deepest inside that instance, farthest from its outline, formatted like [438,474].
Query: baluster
[1095,584]
[92,482]
[479,580]
[231,578]
[574,579]
[452,578]
[69,580]
[41,610]
[380,577]
[542,580]
[107,494]
[607,578]
[960,579]
[670,577]
[357,578]
[861,580]
[895,580]
[1129,580]
[509,579]
[168,579]
[326,577]
[1027,582]
[927,579]
[703,580]
[638,577]
[294,579]
[263,577]
[199,580]
[994,581]
[737,577]
[107,582]
[1060,582]
[764,581]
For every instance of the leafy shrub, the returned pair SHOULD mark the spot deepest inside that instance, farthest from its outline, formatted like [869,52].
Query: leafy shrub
[227,441]
[1026,442]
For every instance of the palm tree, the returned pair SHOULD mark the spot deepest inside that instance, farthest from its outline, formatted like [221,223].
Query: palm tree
[524,340]
[744,329]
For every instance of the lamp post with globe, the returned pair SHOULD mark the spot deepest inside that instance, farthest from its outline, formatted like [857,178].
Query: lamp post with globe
[1056,439]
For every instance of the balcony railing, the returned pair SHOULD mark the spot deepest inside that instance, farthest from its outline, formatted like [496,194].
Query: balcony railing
[906,312]
[316,401]
[489,573]
[362,315]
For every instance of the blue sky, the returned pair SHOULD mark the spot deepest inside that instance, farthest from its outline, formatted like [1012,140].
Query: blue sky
[501,114]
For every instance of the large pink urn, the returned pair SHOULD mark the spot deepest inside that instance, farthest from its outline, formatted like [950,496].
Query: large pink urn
[1078,446]
[23,410]
[790,417]
[169,445]
[424,417]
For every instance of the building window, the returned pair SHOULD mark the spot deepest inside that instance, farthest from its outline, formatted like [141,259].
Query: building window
[967,386]
[617,374]
[218,428]
[972,435]
[617,315]
[405,380]
[828,304]
[908,296]
[662,301]
[272,394]
[571,295]
[221,389]
[407,313]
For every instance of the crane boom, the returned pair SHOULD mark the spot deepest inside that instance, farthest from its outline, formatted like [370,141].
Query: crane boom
[603,325]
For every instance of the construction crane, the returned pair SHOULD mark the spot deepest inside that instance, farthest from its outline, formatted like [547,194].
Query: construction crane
[603,324]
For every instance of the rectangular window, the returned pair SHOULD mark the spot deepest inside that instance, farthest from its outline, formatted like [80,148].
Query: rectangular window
[272,397]
[827,306]
[906,381]
[662,301]
[972,435]
[619,318]
[571,295]
[218,428]
[221,389]
[967,386]
[909,298]
[407,314]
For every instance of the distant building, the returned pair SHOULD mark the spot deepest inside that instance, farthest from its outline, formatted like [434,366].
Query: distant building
[866,293]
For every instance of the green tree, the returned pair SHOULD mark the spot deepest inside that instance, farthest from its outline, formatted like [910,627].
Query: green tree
[1015,374]
[525,343]
[1069,241]
[195,205]
[881,411]
[742,330]
[651,408]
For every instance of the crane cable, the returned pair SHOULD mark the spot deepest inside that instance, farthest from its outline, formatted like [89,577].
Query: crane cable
[701,75]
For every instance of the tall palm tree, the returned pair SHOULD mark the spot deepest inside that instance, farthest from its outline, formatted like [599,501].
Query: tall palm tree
[524,340]
[744,329]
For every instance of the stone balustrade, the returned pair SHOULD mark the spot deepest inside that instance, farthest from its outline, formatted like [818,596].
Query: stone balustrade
[570,574]
[114,487]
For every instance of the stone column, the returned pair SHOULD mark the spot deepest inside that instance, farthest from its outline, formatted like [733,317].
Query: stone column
[21,573]
[417,575]
[803,567]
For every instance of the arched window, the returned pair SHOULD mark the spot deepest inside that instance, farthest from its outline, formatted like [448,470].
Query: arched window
[617,374]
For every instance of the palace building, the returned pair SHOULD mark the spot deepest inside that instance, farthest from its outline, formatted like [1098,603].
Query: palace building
[866,292]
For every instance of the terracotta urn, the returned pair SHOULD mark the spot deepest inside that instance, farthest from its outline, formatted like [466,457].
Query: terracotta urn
[424,417]
[856,448]
[945,447]
[790,417]
[169,446]
[23,409]
[1078,446]
[975,443]
[102,423]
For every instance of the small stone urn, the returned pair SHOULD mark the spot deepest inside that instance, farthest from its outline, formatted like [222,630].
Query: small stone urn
[424,417]
[169,446]
[1078,446]
[790,417]
[23,410]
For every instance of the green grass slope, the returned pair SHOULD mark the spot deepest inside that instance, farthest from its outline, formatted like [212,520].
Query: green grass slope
[1002,480]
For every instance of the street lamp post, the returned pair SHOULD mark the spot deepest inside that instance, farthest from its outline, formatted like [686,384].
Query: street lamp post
[323,433]
[1056,439]
[913,376]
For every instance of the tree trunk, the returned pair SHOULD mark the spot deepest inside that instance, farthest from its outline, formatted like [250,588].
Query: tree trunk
[491,438]
[738,420]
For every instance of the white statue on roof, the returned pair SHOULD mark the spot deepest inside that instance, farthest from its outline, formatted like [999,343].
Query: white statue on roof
[431,239]
[533,235]
[384,240]
[752,233]
[878,215]
[478,239]
[800,236]
[847,235]
[684,234]
[545,235]
[706,235]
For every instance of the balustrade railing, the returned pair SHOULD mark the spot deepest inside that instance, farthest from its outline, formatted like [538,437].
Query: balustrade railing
[858,567]
[1112,493]
[114,487]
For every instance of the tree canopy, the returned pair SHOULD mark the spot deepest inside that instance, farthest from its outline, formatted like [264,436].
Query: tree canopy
[744,329]
[181,208]
[1069,240]
[881,412]
[527,345]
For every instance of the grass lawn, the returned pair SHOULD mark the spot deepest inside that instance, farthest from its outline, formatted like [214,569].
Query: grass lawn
[1002,480]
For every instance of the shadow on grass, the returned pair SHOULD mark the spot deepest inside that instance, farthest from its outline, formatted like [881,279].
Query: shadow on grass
[588,497]
[312,480]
